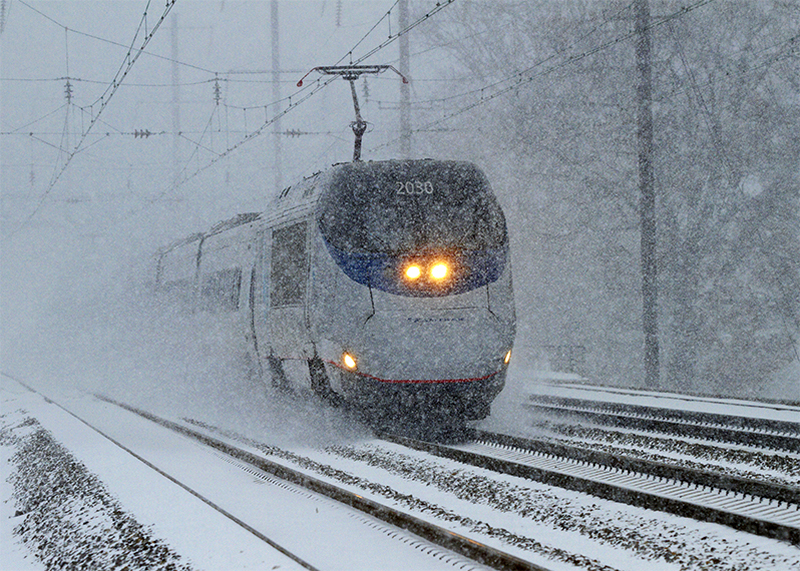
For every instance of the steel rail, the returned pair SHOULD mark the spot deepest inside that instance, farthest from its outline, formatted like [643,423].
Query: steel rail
[175,481]
[713,479]
[745,431]
[462,545]
[755,507]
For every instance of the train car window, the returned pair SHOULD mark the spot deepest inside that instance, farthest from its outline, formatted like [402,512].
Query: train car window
[221,289]
[288,265]
[180,288]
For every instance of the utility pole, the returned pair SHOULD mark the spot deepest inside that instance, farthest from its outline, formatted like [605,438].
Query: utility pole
[405,88]
[276,94]
[647,200]
[176,103]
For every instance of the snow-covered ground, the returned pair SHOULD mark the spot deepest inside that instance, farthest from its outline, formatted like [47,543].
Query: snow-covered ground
[552,527]
[193,518]
[181,365]
[548,384]
[202,536]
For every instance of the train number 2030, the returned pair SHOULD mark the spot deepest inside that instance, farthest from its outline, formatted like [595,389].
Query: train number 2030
[414,187]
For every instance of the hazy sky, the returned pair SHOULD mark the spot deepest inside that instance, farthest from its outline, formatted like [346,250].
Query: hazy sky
[114,203]
[46,42]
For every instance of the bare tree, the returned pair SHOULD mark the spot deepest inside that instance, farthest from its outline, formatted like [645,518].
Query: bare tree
[563,142]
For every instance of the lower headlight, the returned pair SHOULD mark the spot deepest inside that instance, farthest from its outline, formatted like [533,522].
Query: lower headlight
[349,361]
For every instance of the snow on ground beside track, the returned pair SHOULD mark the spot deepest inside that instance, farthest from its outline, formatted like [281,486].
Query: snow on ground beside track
[507,511]
[111,485]
[14,556]
[548,384]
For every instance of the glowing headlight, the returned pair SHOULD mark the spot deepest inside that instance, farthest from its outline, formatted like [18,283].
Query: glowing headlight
[413,272]
[507,358]
[439,271]
[349,361]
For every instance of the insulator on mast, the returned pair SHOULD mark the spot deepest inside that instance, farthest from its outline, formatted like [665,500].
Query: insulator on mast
[217,91]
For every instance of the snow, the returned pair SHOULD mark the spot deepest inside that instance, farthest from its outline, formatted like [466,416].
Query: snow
[14,555]
[182,365]
[554,384]
[206,538]
[72,325]
[506,511]
[203,536]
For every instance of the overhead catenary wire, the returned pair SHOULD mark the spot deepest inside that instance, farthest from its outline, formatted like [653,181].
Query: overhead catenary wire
[130,60]
[103,100]
[112,42]
[521,78]
[321,84]
[519,74]
[428,103]
[43,117]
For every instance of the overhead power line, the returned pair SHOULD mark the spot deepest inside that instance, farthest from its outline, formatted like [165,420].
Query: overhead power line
[521,78]
[130,60]
[112,42]
[311,91]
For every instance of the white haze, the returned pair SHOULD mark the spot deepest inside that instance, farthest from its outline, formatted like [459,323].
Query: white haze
[77,312]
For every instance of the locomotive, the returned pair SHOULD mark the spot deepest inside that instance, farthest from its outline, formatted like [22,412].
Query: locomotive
[386,284]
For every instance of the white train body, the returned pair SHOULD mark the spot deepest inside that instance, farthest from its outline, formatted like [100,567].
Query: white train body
[385,283]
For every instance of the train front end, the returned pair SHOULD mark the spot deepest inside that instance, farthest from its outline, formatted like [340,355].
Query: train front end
[421,310]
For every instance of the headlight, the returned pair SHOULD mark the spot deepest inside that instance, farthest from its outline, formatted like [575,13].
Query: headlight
[507,358]
[439,271]
[349,361]
[413,272]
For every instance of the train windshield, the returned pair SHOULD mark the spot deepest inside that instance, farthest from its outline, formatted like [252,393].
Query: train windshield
[391,207]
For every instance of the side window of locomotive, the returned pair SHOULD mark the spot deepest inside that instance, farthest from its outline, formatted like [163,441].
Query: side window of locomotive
[288,265]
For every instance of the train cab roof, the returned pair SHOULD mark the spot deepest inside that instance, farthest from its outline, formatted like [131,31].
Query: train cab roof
[218,228]
[399,205]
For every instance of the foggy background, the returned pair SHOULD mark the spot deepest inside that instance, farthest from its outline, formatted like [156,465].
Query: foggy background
[540,94]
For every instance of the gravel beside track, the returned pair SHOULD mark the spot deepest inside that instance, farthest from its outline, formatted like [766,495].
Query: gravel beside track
[705,496]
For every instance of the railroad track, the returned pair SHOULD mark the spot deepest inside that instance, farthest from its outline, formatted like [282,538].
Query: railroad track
[747,505]
[484,555]
[507,455]
[761,508]
[739,430]
[441,547]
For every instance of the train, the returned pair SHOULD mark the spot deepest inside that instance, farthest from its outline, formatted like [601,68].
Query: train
[383,284]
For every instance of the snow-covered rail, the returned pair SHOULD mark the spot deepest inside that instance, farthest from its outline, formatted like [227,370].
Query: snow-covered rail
[740,430]
[250,460]
[540,523]
[756,507]
[307,523]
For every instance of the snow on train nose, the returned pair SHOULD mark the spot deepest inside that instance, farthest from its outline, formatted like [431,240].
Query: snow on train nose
[431,346]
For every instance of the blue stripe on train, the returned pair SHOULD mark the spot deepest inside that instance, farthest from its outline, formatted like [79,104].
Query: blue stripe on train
[474,268]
